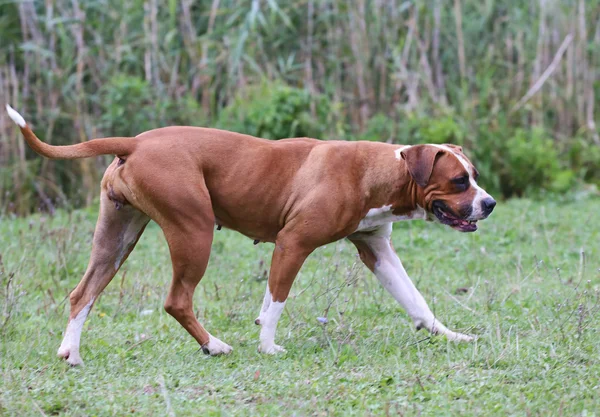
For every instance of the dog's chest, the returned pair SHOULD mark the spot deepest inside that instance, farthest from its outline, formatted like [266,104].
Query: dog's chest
[382,215]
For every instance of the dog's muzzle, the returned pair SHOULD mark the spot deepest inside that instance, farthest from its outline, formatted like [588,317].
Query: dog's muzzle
[463,222]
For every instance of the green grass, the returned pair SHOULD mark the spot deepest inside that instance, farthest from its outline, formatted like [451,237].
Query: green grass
[532,299]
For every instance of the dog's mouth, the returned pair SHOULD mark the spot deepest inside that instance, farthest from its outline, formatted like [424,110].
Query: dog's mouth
[447,217]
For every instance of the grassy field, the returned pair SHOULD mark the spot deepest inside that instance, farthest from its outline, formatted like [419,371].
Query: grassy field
[527,284]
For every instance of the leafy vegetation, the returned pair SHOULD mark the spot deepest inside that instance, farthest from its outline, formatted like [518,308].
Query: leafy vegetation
[526,283]
[275,111]
[490,75]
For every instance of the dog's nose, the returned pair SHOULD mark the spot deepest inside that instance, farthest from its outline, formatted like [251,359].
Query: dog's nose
[487,205]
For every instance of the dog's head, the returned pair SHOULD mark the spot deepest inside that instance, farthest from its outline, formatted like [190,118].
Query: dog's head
[447,185]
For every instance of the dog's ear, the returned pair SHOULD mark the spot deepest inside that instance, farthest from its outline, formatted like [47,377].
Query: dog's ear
[419,161]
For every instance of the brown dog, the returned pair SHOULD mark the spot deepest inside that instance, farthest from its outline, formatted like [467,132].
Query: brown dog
[297,193]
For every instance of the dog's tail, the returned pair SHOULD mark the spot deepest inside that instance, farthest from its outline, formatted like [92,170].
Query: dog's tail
[105,146]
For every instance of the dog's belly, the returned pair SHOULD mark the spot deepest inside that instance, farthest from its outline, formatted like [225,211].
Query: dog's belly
[261,229]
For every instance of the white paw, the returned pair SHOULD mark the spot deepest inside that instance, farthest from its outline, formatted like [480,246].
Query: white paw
[216,347]
[439,329]
[271,349]
[459,337]
[74,359]
[63,352]
[70,355]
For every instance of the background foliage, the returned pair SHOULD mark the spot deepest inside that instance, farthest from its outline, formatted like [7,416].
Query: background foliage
[515,82]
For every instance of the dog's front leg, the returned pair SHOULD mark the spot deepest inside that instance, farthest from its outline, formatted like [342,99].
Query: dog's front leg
[288,257]
[377,253]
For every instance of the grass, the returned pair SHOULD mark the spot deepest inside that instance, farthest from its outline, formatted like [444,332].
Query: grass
[531,276]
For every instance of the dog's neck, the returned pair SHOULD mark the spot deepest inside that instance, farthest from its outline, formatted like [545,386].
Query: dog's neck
[390,184]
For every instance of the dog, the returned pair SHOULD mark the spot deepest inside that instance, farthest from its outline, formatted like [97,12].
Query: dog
[298,193]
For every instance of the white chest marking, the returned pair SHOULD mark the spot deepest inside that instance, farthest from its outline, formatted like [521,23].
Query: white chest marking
[378,216]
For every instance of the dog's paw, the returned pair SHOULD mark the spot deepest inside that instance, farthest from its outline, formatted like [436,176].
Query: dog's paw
[439,329]
[459,337]
[216,347]
[450,335]
[271,349]
[70,355]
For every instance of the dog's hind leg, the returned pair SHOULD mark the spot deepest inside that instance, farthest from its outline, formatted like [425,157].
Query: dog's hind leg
[190,243]
[117,231]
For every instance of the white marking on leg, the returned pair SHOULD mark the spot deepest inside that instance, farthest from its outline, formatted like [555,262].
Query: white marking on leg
[391,273]
[69,348]
[265,305]
[15,116]
[216,347]
[268,319]
[383,215]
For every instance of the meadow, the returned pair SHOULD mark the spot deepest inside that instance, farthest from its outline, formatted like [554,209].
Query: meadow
[526,284]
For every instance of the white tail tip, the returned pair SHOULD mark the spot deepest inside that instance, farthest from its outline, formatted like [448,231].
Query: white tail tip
[15,116]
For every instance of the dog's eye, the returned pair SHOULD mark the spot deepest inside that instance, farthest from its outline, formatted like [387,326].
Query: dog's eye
[461,182]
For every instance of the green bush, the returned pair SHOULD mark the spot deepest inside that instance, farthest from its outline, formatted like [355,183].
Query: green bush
[584,157]
[444,129]
[127,106]
[184,112]
[130,106]
[276,111]
[532,163]
[379,128]
[415,127]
